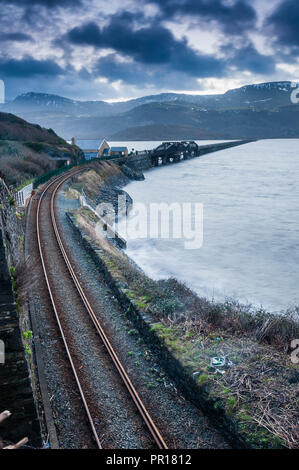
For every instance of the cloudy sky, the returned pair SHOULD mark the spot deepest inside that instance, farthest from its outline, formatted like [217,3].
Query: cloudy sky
[120,49]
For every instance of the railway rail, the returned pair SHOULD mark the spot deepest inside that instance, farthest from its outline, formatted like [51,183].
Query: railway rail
[48,195]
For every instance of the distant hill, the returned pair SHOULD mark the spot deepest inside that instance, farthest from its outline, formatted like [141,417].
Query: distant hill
[165,132]
[51,105]
[270,95]
[254,111]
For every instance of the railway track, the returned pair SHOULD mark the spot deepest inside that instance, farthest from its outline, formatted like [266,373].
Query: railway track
[47,198]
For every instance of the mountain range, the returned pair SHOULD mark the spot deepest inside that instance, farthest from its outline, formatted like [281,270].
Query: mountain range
[256,111]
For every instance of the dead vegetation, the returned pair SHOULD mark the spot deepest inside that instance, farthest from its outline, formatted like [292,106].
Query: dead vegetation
[18,163]
[93,181]
[263,390]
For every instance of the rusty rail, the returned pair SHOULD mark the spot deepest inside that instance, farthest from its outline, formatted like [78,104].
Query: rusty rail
[113,355]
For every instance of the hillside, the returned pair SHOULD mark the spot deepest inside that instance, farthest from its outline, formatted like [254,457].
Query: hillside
[28,150]
[152,118]
[15,128]
[255,111]
[165,132]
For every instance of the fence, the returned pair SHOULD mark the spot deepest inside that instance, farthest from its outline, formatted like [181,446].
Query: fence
[21,196]
[111,232]
[44,178]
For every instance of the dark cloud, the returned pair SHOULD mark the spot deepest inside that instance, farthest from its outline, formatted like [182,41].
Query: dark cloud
[233,17]
[44,3]
[28,67]
[88,34]
[35,12]
[186,60]
[110,67]
[146,53]
[249,59]
[153,44]
[284,23]
[15,37]
[145,75]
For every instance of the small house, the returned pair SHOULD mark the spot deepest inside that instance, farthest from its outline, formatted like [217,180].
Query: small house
[119,151]
[104,148]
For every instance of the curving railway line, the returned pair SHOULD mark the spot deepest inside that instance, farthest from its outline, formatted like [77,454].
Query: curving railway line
[46,215]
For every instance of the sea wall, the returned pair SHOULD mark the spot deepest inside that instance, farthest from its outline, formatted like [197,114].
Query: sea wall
[204,149]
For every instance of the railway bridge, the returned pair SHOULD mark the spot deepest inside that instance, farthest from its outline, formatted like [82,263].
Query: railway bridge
[174,152]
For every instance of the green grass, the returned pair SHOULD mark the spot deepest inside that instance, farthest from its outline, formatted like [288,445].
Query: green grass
[231,404]
[203,379]
[37,146]
[133,332]
[89,214]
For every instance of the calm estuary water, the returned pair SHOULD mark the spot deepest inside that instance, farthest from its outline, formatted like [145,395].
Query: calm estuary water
[251,226]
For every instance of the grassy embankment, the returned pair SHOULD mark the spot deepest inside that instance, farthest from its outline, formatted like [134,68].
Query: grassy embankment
[28,150]
[257,389]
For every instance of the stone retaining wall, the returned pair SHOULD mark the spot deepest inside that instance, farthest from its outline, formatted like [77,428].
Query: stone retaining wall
[16,393]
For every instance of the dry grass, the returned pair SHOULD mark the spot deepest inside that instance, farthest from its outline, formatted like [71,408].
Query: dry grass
[264,394]
[18,163]
[96,179]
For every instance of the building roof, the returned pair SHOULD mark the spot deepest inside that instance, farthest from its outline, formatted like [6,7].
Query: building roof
[103,141]
[118,149]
